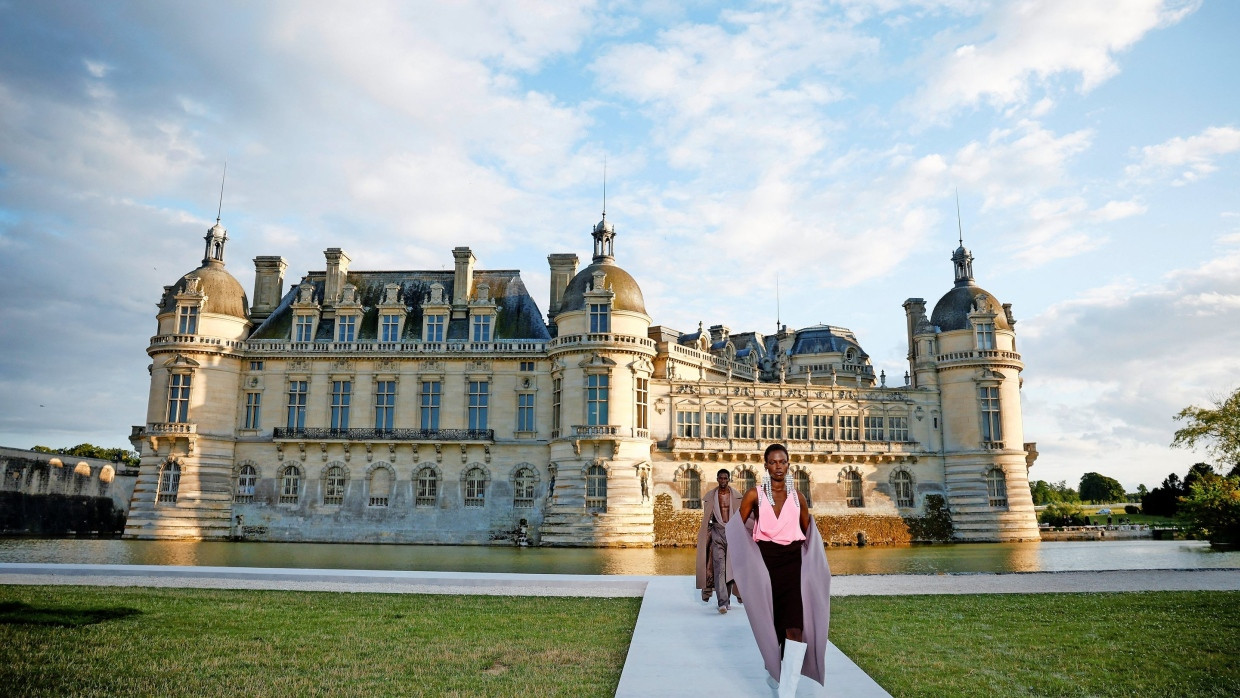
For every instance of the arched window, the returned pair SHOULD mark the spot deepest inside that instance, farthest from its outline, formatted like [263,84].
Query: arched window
[852,489]
[169,483]
[596,488]
[333,486]
[746,481]
[428,488]
[246,480]
[475,488]
[996,487]
[904,489]
[290,485]
[523,488]
[690,482]
[800,480]
[380,487]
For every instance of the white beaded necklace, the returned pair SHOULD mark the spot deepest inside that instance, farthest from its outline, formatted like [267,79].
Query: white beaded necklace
[766,489]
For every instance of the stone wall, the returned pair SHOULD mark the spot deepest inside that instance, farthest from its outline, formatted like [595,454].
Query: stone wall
[679,528]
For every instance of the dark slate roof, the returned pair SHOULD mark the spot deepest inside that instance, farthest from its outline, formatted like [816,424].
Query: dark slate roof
[628,293]
[224,293]
[518,316]
[952,310]
[825,339]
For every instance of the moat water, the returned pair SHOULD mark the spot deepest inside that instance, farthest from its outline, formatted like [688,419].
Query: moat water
[931,559]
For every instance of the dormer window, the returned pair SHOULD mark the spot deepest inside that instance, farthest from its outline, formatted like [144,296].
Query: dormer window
[187,319]
[434,328]
[600,318]
[346,328]
[389,328]
[985,333]
[303,328]
[482,328]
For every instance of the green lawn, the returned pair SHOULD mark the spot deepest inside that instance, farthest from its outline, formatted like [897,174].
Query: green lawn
[84,641]
[1106,644]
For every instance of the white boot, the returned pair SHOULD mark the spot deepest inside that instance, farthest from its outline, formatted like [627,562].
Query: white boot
[790,668]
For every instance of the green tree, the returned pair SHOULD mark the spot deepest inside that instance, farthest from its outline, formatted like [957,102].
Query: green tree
[85,450]
[1043,493]
[1217,429]
[1099,488]
[1212,508]
[1063,514]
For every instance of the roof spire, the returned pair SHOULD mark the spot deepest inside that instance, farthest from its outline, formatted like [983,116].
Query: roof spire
[604,187]
[220,210]
[959,225]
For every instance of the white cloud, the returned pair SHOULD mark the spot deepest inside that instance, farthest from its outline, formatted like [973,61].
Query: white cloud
[97,69]
[1018,47]
[1190,158]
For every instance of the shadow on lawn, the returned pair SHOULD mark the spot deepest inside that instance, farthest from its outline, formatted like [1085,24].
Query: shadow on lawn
[18,613]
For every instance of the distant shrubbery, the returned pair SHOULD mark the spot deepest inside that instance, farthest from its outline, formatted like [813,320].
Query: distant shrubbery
[1063,514]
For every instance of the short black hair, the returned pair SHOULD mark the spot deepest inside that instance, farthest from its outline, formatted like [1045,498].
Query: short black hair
[774,447]
[724,471]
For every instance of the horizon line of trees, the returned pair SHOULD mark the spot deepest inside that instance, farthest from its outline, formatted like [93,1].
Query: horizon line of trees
[86,450]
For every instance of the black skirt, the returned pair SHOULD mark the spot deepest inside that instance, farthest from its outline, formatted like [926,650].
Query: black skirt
[783,563]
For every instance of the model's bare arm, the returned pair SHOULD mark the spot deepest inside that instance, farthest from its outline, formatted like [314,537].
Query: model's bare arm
[748,503]
[804,512]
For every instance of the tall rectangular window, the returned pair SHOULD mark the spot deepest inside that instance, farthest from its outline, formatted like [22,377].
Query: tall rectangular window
[297,392]
[253,410]
[874,429]
[557,385]
[304,329]
[985,335]
[798,427]
[482,328]
[342,396]
[716,425]
[991,430]
[178,397]
[824,427]
[848,428]
[187,319]
[772,426]
[479,397]
[389,328]
[596,399]
[643,403]
[742,425]
[688,424]
[385,404]
[432,391]
[525,412]
[346,326]
[600,317]
[434,328]
[897,429]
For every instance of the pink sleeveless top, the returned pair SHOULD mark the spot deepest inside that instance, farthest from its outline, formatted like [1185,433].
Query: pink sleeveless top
[782,529]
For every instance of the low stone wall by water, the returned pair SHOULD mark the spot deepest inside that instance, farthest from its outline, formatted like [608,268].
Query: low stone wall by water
[679,528]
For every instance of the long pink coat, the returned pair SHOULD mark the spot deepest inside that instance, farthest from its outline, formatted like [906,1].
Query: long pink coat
[710,505]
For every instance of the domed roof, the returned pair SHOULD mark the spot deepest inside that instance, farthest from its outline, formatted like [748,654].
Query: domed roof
[628,293]
[224,293]
[952,310]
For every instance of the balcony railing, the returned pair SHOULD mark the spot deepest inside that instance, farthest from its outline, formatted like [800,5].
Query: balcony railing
[326,434]
[162,428]
[602,338]
[515,346]
[596,429]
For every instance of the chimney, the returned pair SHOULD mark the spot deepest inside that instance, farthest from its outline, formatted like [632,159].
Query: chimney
[563,269]
[337,268]
[719,333]
[463,281]
[268,285]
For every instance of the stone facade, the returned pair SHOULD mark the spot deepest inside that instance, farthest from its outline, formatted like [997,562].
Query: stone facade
[441,407]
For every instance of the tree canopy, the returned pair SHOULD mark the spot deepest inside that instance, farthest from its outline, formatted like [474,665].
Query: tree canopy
[1212,506]
[124,455]
[1096,487]
[1217,429]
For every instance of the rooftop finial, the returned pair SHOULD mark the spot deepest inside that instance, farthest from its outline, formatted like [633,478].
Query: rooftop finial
[959,225]
[604,187]
[221,208]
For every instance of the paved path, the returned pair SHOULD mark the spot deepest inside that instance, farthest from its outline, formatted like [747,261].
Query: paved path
[680,645]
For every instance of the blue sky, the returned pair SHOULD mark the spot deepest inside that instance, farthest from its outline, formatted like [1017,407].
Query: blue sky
[1094,145]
